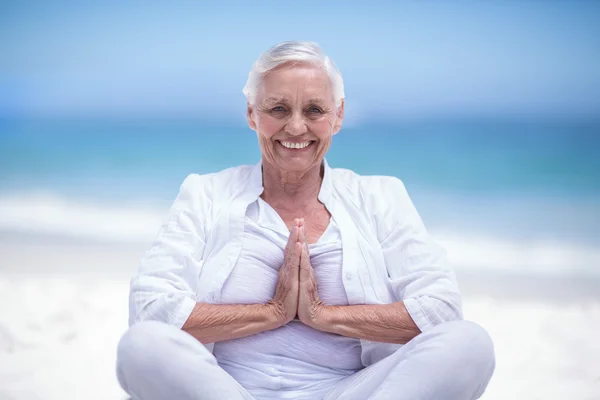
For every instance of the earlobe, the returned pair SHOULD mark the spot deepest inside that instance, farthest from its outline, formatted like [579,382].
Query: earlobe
[340,110]
[250,117]
[339,118]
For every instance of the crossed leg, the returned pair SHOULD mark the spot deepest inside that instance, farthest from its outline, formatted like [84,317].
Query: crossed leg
[451,361]
[156,361]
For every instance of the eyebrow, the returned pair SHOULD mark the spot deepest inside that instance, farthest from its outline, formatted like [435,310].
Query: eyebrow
[284,100]
[317,101]
[275,100]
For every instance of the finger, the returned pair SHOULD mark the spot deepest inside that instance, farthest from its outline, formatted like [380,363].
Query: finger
[296,231]
[296,254]
[305,267]
[302,230]
[293,236]
[302,235]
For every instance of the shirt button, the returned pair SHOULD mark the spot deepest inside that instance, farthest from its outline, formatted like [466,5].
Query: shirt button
[348,276]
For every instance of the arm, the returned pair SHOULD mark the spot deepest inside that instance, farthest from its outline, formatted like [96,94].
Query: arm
[423,282]
[388,323]
[163,288]
[211,323]
[418,268]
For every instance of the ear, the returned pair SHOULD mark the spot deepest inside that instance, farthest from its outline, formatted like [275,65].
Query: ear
[250,116]
[339,118]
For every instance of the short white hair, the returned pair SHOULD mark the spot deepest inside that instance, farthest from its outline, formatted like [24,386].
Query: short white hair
[293,51]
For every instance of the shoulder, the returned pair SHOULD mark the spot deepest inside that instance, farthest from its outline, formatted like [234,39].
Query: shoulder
[218,183]
[205,190]
[369,190]
[381,200]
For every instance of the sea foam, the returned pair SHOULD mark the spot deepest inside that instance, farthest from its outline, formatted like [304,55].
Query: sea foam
[48,214]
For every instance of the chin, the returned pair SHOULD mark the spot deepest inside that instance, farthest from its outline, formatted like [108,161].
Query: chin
[295,165]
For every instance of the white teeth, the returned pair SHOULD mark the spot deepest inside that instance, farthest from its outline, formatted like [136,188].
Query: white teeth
[291,145]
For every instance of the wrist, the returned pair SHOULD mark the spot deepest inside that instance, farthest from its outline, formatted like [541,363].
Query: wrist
[276,316]
[327,319]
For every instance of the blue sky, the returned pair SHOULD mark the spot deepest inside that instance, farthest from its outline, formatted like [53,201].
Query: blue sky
[398,59]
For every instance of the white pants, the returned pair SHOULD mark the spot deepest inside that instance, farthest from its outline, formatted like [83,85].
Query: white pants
[451,361]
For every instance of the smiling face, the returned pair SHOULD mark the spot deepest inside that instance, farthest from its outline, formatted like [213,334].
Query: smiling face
[295,116]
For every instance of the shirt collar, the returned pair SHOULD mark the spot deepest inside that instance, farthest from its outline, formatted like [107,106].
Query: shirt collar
[326,185]
[256,182]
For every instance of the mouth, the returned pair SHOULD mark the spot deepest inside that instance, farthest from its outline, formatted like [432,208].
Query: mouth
[296,146]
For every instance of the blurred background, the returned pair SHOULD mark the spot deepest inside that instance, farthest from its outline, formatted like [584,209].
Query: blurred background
[488,111]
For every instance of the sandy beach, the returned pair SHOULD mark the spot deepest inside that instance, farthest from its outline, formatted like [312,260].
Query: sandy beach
[63,307]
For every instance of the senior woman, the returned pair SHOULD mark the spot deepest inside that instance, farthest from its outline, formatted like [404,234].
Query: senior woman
[290,279]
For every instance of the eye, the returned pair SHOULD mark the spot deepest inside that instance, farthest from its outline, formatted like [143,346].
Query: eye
[314,110]
[278,109]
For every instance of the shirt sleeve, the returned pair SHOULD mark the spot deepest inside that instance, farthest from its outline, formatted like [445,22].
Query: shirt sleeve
[164,286]
[418,267]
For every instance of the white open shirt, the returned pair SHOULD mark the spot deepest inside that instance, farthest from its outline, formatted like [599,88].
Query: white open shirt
[387,253]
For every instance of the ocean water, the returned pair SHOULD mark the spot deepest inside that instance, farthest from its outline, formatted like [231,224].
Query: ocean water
[501,195]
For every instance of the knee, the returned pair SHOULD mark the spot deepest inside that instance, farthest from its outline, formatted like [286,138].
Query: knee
[141,342]
[148,343]
[472,348]
[143,348]
[151,355]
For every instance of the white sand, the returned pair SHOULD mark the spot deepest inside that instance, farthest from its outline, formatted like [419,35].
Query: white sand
[63,307]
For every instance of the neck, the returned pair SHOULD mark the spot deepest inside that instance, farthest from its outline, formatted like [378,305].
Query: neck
[291,189]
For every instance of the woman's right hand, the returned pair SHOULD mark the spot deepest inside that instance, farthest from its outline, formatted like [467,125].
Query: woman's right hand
[285,300]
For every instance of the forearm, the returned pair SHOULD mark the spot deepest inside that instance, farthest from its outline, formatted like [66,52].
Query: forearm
[389,323]
[211,323]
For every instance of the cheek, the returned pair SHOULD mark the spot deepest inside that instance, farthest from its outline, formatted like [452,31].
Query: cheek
[322,128]
[268,126]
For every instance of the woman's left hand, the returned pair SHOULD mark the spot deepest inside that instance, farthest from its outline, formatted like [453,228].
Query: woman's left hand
[310,307]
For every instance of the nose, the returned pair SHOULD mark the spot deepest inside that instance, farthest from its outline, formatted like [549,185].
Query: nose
[296,125]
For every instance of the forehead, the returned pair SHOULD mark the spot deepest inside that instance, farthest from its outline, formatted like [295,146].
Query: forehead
[296,81]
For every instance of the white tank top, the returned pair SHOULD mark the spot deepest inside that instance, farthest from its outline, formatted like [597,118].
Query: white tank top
[294,357]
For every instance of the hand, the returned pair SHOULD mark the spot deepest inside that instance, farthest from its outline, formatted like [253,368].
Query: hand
[285,300]
[310,307]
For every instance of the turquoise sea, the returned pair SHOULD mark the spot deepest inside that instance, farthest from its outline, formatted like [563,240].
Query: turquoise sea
[521,195]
